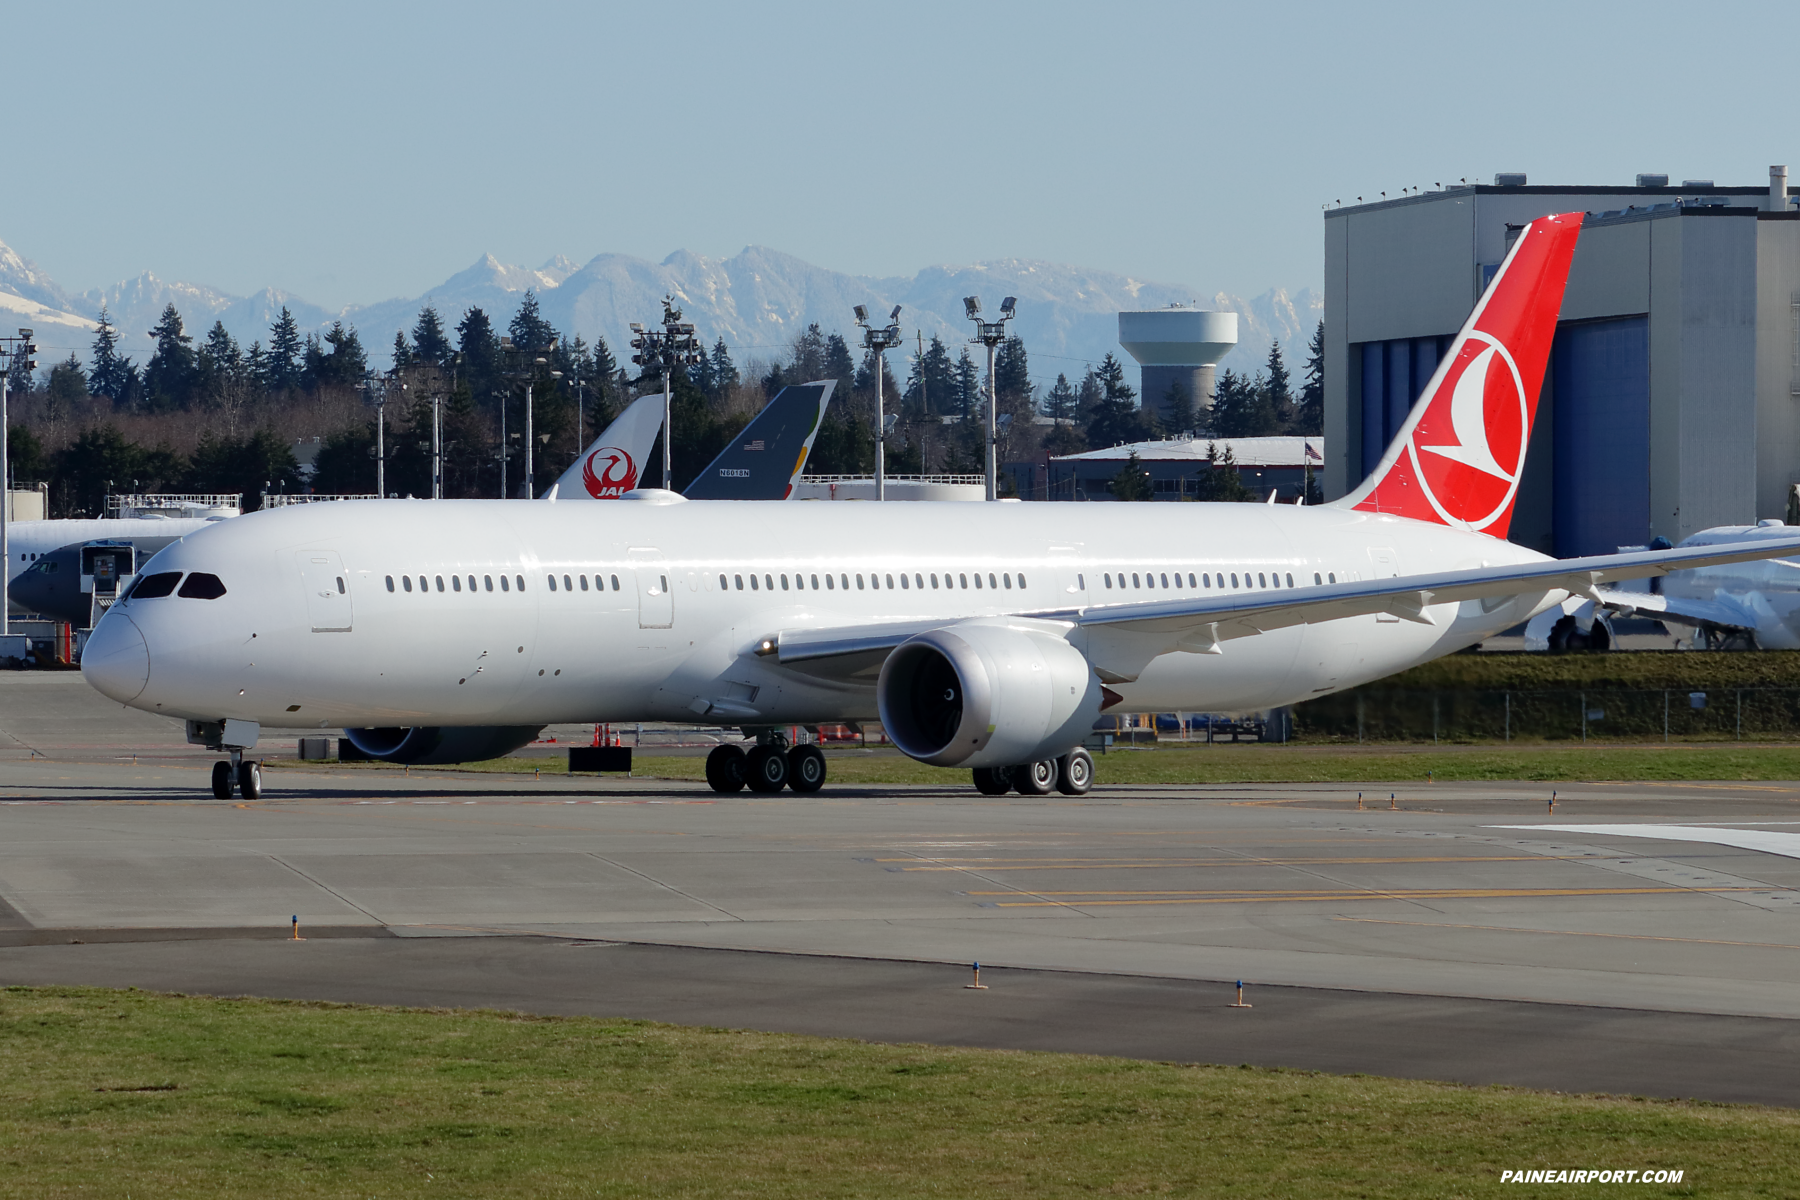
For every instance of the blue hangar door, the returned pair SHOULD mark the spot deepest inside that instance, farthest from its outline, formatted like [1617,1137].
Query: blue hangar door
[1601,375]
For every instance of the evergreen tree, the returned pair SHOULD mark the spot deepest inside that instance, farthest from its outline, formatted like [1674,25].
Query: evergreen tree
[1089,395]
[1012,370]
[430,343]
[1064,439]
[966,388]
[281,364]
[1132,482]
[113,375]
[724,371]
[839,365]
[1221,482]
[68,389]
[931,386]
[25,460]
[773,382]
[1309,415]
[169,376]
[1059,401]
[1242,407]
[808,361]
[346,362]
[1281,396]
[403,353]
[528,329]
[1111,376]
[1178,410]
[480,349]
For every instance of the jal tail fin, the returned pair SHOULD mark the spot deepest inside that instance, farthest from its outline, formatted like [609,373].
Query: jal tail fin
[1458,459]
[613,464]
[766,458]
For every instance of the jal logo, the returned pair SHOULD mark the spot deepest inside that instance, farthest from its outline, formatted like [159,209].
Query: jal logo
[608,473]
[1473,447]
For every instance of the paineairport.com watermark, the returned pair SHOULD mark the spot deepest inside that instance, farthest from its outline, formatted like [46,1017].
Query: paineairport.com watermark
[1555,1176]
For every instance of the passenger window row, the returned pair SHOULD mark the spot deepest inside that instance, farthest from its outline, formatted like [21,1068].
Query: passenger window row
[508,583]
[1206,580]
[874,581]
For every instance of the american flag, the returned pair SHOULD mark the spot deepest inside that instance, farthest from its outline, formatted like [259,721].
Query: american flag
[756,445]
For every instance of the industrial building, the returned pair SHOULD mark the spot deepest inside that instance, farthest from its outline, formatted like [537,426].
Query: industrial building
[1670,402]
[1176,466]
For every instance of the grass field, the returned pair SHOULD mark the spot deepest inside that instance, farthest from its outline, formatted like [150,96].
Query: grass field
[1287,764]
[108,1093]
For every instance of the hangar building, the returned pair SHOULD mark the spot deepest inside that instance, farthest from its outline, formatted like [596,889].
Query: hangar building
[1672,399]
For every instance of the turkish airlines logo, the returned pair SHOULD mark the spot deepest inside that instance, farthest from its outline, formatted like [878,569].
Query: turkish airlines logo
[1467,454]
[618,474]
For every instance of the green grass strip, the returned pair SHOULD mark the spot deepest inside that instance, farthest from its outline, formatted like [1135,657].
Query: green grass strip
[109,1093]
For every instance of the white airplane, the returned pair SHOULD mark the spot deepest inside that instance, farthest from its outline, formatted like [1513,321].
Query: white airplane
[988,636]
[1752,605]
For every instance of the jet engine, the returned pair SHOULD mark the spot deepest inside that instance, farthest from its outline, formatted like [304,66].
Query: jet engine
[987,694]
[436,745]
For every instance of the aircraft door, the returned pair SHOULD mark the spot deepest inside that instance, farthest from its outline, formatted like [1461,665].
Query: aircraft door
[327,587]
[656,599]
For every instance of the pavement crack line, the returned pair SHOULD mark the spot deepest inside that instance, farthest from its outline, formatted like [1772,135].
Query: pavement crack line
[668,887]
[323,886]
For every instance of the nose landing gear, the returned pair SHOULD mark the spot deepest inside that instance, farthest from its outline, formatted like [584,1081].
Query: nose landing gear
[245,775]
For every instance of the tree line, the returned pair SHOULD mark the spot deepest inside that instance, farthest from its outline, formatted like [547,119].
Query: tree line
[208,415]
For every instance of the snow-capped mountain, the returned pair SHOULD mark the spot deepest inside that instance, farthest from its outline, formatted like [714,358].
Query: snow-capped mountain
[758,301]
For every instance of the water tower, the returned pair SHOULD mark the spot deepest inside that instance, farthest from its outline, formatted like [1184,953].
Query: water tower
[1177,347]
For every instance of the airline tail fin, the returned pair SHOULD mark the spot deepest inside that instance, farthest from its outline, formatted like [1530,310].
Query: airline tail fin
[766,458]
[612,465]
[1458,459]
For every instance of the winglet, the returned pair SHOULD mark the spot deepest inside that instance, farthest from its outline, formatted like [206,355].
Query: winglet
[1458,459]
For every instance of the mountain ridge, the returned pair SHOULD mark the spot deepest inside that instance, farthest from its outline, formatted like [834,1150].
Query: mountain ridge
[757,300]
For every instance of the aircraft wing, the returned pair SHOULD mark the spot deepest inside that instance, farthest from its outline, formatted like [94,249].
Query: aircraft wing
[1720,614]
[764,460]
[612,466]
[1199,624]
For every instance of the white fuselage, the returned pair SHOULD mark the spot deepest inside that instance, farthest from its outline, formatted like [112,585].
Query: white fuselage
[673,622]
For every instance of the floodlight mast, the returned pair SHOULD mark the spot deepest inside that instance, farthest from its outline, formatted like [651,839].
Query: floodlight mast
[18,352]
[526,362]
[878,342]
[661,352]
[990,334]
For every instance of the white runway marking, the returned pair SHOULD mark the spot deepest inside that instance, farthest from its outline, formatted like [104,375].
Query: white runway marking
[1767,841]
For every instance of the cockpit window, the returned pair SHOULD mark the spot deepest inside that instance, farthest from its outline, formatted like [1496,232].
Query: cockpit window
[151,587]
[201,586]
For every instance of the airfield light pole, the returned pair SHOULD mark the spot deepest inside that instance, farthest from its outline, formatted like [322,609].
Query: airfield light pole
[877,342]
[662,351]
[990,334]
[526,365]
[377,388]
[21,352]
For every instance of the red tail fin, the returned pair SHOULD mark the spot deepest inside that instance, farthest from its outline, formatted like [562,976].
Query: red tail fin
[1458,458]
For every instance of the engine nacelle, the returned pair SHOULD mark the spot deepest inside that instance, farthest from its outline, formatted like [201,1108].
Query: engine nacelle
[987,694]
[437,745]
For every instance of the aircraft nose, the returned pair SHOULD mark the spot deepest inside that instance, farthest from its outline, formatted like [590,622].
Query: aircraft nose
[116,661]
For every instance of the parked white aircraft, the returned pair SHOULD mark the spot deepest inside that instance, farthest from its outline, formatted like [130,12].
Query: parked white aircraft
[989,636]
[1748,604]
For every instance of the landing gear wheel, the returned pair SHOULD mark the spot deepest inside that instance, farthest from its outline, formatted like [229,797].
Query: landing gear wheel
[766,769]
[725,768]
[1075,772]
[222,781]
[806,768]
[249,778]
[1035,779]
[992,781]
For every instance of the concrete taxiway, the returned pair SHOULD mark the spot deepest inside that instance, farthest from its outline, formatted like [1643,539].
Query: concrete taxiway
[1439,938]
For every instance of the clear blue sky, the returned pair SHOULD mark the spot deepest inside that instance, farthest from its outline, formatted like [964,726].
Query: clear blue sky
[353,152]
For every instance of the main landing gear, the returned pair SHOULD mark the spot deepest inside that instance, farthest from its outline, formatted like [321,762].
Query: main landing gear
[1072,775]
[768,767]
[245,775]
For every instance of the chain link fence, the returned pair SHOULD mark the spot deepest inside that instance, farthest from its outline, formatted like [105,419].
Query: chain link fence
[1609,714]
